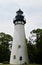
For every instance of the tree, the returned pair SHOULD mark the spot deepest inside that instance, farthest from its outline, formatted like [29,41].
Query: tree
[38,45]
[5,40]
[32,51]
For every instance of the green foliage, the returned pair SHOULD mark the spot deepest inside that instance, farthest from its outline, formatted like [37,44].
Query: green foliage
[31,52]
[4,47]
[35,50]
[36,31]
[21,64]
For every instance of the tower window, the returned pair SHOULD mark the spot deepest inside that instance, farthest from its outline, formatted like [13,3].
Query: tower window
[20,58]
[14,57]
[19,46]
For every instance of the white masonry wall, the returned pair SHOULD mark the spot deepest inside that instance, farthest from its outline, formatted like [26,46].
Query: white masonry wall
[19,39]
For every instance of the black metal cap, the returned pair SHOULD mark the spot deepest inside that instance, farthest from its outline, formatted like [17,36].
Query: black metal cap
[19,18]
[19,12]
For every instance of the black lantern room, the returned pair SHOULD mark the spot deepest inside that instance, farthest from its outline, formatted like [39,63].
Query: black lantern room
[19,18]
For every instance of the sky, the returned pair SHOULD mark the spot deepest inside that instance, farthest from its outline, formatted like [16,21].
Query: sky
[32,11]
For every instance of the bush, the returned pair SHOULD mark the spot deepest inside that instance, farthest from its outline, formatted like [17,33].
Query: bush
[5,62]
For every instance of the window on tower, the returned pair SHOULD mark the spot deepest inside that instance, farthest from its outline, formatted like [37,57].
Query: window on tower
[19,46]
[14,57]
[20,58]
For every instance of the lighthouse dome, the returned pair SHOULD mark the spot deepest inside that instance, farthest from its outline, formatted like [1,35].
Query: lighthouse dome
[19,18]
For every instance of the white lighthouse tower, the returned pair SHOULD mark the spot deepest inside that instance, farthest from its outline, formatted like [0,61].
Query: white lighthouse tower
[19,48]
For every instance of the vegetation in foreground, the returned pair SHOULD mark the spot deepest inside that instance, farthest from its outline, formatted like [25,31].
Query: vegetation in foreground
[20,64]
[34,50]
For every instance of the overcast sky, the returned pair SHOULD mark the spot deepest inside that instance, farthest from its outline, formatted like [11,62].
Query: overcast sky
[32,11]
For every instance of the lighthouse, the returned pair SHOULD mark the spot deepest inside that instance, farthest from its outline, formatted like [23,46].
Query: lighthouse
[19,53]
